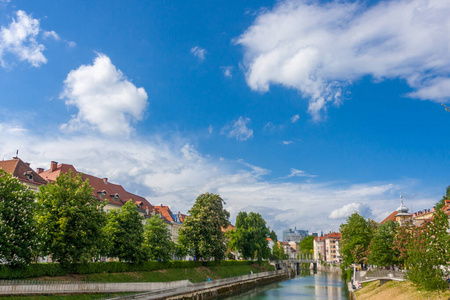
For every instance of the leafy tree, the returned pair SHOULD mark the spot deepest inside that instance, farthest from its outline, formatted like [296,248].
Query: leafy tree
[273,236]
[278,252]
[356,236]
[381,249]
[425,250]
[70,220]
[202,230]
[250,236]
[306,245]
[158,244]
[441,203]
[18,234]
[125,233]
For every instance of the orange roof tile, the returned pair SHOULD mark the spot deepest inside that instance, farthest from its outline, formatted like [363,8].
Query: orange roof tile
[103,190]
[391,217]
[20,170]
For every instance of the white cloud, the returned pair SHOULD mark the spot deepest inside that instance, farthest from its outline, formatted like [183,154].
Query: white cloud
[106,100]
[199,52]
[210,129]
[287,142]
[239,130]
[173,172]
[19,39]
[227,71]
[345,211]
[295,118]
[320,48]
[299,173]
[51,34]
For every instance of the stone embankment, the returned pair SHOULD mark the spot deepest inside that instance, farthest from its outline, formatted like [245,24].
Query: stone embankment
[326,268]
[213,289]
[183,289]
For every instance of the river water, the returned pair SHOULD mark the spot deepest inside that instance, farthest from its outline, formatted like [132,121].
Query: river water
[326,286]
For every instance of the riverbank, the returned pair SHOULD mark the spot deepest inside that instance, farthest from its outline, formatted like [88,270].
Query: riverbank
[395,290]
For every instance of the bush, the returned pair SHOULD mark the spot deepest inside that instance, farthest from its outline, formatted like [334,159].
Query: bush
[54,269]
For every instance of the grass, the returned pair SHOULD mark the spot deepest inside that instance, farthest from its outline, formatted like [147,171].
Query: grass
[396,290]
[193,274]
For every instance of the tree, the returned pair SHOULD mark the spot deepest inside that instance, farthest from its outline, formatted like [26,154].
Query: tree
[158,244]
[356,236]
[70,220]
[425,251]
[441,203]
[381,249]
[278,252]
[250,236]
[18,234]
[202,230]
[125,233]
[306,245]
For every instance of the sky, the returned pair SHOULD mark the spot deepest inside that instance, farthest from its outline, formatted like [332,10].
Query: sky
[303,111]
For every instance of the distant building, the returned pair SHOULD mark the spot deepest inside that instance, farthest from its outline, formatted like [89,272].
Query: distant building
[326,248]
[22,171]
[295,235]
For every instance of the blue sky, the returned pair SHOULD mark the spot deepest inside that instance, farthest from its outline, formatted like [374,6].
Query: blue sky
[304,111]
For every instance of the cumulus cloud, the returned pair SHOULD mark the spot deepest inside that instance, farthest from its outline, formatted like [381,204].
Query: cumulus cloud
[19,39]
[172,171]
[199,52]
[106,100]
[345,211]
[239,130]
[320,48]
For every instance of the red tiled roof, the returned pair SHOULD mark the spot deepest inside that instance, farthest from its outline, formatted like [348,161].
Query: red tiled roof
[391,217]
[228,228]
[165,212]
[103,190]
[20,170]
[332,235]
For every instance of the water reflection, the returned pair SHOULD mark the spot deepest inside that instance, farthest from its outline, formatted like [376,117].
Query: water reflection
[306,286]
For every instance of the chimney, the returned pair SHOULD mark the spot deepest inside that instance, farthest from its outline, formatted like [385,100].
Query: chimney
[39,170]
[53,166]
[105,180]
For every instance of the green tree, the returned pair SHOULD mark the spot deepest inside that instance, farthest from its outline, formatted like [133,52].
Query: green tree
[381,249]
[278,252]
[250,236]
[18,234]
[356,236]
[158,244]
[125,233]
[70,220]
[202,230]
[441,203]
[425,251]
[306,245]
[273,236]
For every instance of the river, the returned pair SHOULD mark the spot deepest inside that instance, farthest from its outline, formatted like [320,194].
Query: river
[326,286]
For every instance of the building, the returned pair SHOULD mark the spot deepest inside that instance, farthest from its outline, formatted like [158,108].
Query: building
[401,215]
[114,194]
[22,171]
[326,248]
[173,221]
[288,250]
[295,235]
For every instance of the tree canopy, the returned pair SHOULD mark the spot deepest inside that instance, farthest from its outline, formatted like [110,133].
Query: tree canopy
[202,230]
[158,244]
[356,236]
[306,245]
[18,234]
[70,220]
[250,236]
[381,248]
[125,233]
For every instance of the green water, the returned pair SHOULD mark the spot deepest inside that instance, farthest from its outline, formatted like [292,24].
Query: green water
[311,286]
